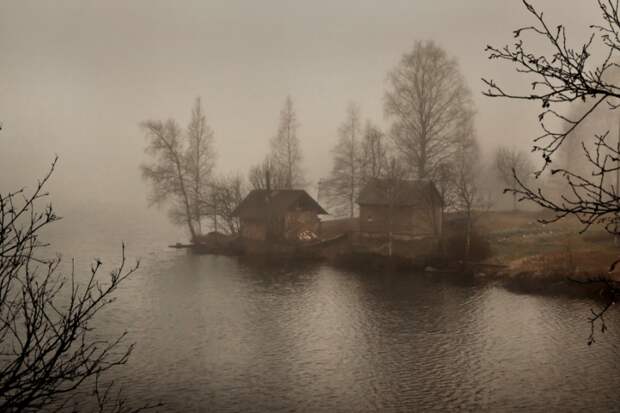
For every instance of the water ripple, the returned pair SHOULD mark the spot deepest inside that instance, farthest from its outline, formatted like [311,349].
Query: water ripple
[224,335]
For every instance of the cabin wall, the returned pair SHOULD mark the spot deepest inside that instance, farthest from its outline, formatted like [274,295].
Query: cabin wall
[255,230]
[287,227]
[375,219]
[426,221]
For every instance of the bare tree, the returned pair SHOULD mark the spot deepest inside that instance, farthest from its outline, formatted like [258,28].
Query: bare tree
[374,153]
[181,168]
[199,160]
[286,154]
[428,101]
[511,163]
[557,80]
[467,192]
[393,178]
[258,175]
[167,173]
[227,193]
[48,351]
[445,178]
[343,185]
[266,176]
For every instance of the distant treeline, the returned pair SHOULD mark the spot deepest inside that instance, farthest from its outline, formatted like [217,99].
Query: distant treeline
[432,136]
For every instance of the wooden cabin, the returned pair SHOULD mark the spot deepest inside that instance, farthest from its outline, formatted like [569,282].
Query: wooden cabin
[279,214]
[407,208]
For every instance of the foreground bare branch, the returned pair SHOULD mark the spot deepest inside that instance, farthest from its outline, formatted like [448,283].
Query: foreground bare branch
[568,75]
[559,80]
[47,346]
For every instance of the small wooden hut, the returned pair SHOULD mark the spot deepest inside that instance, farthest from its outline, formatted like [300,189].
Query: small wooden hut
[279,214]
[407,208]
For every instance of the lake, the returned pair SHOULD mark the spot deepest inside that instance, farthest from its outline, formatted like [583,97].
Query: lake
[227,335]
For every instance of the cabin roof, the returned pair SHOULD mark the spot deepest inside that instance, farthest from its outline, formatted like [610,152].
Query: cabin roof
[261,202]
[409,193]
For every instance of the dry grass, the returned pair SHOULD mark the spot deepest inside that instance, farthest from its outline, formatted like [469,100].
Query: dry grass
[529,248]
[553,250]
[579,264]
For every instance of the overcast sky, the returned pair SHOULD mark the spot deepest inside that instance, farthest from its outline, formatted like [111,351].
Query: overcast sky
[77,77]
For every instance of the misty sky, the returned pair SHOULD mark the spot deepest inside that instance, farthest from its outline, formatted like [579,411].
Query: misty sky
[77,77]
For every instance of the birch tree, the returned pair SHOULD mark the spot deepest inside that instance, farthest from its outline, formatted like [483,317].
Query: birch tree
[445,178]
[180,168]
[286,153]
[266,176]
[468,195]
[374,153]
[259,176]
[199,161]
[343,185]
[394,176]
[167,172]
[427,101]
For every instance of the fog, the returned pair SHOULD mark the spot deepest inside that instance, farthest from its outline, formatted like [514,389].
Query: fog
[79,76]
[426,288]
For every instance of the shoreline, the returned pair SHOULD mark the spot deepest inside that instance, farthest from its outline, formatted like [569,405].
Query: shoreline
[517,281]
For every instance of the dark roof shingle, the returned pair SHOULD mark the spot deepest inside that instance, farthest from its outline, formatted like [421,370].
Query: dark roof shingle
[409,193]
[260,203]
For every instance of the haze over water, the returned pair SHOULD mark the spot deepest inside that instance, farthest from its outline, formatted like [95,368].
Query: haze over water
[226,334]
[78,77]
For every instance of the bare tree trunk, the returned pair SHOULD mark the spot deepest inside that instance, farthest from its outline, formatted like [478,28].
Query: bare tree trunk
[352,194]
[215,212]
[422,161]
[352,205]
[289,163]
[468,236]
[186,202]
[390,225]
[285,149]
[353,173]
[197,182]
[343,184]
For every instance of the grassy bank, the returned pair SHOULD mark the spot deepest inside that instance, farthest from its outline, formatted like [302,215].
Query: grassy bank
[544,257]
[521,253]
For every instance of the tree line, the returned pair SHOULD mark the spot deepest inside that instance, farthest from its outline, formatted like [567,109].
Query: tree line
[431,137]
[182,174]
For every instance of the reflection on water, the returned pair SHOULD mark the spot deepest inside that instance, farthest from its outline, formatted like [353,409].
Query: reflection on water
[220,334]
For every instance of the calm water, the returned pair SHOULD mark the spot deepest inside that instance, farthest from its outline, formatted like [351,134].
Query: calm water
[220,334]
